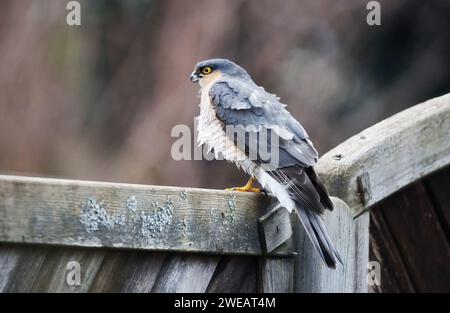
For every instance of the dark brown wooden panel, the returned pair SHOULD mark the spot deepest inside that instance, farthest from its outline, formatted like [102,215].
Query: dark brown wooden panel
[411,218]
[438,187]
[383,249]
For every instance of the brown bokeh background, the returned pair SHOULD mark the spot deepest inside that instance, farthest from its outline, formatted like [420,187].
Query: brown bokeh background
[98,101]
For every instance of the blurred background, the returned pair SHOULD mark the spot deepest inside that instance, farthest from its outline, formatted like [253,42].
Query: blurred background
[98,101]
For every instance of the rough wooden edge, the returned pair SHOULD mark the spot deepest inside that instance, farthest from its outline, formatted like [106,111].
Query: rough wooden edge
[275,229]
[96,214]
[386,157]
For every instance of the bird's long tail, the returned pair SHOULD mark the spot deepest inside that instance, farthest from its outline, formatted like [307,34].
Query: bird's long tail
[318,235]
[287,192]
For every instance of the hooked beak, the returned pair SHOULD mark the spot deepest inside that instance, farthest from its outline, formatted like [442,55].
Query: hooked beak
[194,77]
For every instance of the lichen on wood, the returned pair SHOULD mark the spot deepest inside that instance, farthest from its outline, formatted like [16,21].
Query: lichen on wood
[94,215]
[156,222]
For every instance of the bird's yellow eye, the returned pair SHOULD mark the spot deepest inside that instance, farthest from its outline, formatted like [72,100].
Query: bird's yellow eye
[206,70]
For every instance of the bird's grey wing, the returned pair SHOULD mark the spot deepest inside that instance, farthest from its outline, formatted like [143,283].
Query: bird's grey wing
[258,114]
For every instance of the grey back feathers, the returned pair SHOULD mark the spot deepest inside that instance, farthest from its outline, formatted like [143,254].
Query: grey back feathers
[240,102]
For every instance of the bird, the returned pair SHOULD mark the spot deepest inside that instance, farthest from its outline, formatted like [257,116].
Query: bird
[230,99]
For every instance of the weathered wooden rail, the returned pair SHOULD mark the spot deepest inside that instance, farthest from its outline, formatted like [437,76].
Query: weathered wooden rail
[95,214]
[384,163]
[136,238]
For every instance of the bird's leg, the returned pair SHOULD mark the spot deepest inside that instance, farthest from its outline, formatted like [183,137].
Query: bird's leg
[247,188]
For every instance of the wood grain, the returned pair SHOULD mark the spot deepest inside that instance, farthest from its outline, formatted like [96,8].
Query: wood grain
[438,188]
[186,273]
[19,266]
[385,250]
[234,274]
[276,275]
[53,272]
[422,242]
[128,271]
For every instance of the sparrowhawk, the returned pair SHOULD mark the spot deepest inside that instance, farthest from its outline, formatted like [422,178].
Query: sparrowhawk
[231,100]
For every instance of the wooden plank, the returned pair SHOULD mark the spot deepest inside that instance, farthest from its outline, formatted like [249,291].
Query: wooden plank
[351,237]
[389,155]
[8,261]
[19,266]
[384,250]
[94,214]
[52,276]
[235,274]
[411,217]
[128,271]
[276,275]
[186,273]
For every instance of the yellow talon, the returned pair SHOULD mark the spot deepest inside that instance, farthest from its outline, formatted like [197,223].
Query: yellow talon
[247,188]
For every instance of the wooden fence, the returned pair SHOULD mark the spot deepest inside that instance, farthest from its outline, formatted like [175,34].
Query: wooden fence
[136,238]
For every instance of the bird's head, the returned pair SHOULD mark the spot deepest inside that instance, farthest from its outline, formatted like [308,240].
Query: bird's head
[211,70]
